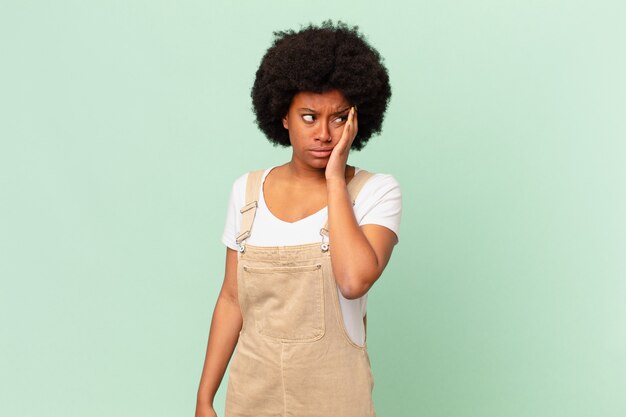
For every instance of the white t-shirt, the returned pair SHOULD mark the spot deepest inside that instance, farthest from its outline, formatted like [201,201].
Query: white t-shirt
[379,202]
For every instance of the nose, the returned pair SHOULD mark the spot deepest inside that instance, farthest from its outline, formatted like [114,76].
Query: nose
[323,134]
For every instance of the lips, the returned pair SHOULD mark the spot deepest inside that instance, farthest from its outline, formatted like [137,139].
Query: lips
[321,152]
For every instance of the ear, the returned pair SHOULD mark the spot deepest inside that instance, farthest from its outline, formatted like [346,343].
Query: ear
[285,122]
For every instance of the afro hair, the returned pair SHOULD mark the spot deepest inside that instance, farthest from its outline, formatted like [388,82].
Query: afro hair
[318,59]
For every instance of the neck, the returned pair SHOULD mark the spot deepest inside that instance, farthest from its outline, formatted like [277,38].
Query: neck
[305,173]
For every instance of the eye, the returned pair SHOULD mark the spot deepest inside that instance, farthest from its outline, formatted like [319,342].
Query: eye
[308,118]
[341,119]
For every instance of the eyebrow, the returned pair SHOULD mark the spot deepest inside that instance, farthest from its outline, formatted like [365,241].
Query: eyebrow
[313,111]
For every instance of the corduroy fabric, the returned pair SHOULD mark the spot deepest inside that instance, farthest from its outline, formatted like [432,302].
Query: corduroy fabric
[294,357]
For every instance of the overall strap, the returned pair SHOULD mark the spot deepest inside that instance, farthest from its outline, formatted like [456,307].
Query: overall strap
[354,188]
[253,187]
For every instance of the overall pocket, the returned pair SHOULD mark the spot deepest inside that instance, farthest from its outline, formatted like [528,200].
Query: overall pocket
[288,302]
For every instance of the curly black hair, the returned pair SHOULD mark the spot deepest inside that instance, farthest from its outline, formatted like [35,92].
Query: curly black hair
[318,59]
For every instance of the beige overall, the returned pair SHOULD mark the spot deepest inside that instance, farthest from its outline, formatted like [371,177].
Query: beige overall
[294,357]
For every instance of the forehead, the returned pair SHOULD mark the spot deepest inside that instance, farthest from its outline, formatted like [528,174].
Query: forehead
[332,100]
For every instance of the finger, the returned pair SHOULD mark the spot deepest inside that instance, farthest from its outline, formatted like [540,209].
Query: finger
[355,124]
[347,129]
[352,122]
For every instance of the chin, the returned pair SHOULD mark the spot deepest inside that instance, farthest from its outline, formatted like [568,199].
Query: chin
[319,163]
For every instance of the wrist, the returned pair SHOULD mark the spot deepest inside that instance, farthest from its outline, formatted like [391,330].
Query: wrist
[335,170]
[336,181]
[205,399]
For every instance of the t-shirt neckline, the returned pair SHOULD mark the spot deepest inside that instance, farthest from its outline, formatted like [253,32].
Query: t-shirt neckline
[262,200]
[309,217]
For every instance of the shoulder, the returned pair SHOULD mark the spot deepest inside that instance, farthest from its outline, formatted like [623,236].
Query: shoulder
[380,202]
[238,191]
[382,179]
[381,184]
[240,182]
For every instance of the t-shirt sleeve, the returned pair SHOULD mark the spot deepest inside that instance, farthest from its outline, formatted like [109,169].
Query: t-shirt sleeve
[380,202]
[233,216]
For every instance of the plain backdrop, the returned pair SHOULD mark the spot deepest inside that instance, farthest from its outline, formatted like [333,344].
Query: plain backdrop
[124,123]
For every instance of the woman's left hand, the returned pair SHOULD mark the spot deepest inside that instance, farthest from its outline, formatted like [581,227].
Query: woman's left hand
[336,167]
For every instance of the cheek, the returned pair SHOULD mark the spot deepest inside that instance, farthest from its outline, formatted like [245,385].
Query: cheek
[298,132]
[336,132]
[295,136]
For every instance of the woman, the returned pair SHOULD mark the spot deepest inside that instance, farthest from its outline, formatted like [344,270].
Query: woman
[305,240]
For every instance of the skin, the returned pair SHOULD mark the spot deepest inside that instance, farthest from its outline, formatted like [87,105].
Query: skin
[308,182]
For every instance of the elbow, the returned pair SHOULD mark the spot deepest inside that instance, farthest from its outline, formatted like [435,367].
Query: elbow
[355,288]
[228,297]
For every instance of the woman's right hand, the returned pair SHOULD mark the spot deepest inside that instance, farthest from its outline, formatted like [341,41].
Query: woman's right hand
[225,328]
[205,410]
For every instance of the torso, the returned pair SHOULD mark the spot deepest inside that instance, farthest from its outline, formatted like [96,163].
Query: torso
[290,200]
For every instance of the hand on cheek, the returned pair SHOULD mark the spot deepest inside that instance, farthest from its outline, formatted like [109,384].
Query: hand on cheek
[336,167]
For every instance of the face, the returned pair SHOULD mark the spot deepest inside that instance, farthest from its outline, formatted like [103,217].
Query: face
[315,123]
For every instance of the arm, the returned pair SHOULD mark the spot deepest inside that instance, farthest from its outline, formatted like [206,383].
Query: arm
[225,327]
[359,254]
